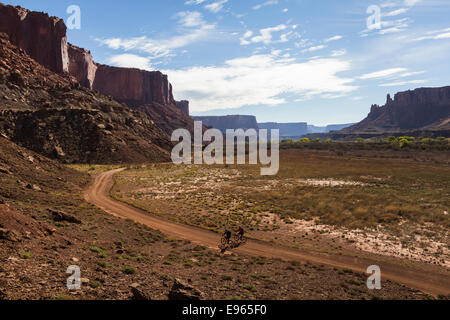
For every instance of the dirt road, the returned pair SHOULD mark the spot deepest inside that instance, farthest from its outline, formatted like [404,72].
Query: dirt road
[430,280]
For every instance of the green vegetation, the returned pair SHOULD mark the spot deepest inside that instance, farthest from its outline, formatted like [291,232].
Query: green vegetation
[27,255]
[389,143]
[128,270]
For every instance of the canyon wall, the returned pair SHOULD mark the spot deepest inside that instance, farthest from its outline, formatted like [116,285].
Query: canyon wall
[42,37]
[82,66]
[133,86]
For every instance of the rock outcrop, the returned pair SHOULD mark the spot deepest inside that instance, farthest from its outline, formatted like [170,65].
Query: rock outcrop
[424,108]
[183,105]
[181,291]
[234,122]
[82,66]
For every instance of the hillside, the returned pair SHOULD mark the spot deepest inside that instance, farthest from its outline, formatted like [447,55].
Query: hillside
[44,39]
[53,115]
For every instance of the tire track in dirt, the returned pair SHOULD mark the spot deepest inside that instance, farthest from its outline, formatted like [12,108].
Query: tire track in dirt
[429,281]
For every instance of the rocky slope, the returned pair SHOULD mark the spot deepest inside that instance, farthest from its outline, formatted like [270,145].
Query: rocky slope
[55,116]
[420,109]
[44,39]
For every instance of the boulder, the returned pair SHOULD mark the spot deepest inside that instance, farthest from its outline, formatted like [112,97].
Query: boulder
[138,294]
[183,291]
[6,234]
[60,216]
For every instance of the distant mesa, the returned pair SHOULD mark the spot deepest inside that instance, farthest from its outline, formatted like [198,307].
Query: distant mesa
[420,112]
[234,122]
[287,130]
[419,109]
[329,128]
[294,130]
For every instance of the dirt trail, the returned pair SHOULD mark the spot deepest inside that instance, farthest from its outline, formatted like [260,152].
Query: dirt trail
[429,281]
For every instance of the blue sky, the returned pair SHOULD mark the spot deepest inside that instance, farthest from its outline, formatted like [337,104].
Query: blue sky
[281,60]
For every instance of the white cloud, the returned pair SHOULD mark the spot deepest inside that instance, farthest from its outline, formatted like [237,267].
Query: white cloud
[338,53]
[435,35]
[244,38]
[265,35]
[396,12]
[265,4]
[335,38]
[313,49]
[410,74]
[411,3]
[131,61]
[194,29]
[216,7]
[382,73]
[190,19]
[194,2]
[402,83]
[259,79]
[285,10]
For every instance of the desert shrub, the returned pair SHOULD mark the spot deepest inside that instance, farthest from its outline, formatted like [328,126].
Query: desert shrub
[128,270]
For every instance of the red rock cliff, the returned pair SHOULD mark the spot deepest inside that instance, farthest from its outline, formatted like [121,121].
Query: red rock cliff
[82,66]
[423,107]
[184,106]
[44,39]
[133,86]
[41,36]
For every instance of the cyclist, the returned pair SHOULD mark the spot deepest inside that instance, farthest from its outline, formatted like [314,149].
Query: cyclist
[240,232]
[227,235]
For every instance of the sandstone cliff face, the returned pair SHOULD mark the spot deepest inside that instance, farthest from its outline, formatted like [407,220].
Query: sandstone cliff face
[184,106]
[133,86]
[229,122]
[41,36]
[81,66]
[417,109]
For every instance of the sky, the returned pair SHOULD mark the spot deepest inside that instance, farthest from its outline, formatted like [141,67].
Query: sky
[321,62]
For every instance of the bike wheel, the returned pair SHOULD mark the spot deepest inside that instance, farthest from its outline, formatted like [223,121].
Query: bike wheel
[224,241]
